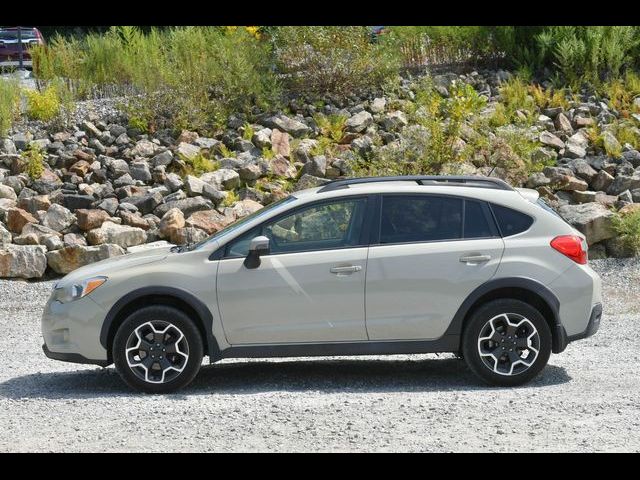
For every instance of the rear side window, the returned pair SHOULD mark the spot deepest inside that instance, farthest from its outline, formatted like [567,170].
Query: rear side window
[477,220]
[420,218]
[511,222]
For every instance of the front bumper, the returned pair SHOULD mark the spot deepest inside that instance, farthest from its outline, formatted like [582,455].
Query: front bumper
[72,357]
[71,331]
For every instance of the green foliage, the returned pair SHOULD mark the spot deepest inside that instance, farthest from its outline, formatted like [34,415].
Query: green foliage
[417,46]
[549,97]
[621,93]
[247,131]
[268,153]
[35,161]
[515,95]
[9,104]
[331,126]
[627,226]
[43,105]
[339,60]
[231,198]
[194,74]
[199,165]
[225,151]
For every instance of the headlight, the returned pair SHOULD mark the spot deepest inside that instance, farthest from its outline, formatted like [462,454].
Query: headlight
[77,290]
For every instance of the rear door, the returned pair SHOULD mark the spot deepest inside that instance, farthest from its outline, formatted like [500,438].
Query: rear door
[428,254]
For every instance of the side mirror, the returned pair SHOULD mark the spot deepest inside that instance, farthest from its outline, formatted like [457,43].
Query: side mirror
[258,246]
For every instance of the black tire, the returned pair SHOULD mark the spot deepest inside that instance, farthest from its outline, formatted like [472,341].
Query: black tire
[477,327]
[190,344]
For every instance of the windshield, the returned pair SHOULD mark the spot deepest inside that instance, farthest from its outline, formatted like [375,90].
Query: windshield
[26,34]
[244,220]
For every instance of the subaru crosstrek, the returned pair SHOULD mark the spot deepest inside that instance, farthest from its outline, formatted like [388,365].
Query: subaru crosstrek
[364,266]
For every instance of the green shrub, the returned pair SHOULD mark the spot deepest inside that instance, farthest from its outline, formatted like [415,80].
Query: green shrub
[331,126]
[318,60]
[628,228]
[516,97]
[43,105]
[9,104]
[35,161]
[268,153]
[231,198]
[199,164]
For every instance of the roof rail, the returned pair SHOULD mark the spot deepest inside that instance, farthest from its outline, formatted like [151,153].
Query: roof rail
[451,180]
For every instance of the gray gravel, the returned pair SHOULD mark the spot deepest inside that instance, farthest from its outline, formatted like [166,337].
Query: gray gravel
[588,398]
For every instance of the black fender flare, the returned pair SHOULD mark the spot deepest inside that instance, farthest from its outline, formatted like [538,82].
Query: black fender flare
[534,286]
[205,316]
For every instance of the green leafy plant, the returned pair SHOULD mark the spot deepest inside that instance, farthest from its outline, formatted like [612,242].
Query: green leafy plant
[199,164]
[248,131]
[231,198]
[43,105]
[225,151]
[268,153]
[35,161]
[627,226]
[331,126]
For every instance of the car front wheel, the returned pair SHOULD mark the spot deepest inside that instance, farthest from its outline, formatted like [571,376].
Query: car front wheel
[157,349]
[506,342]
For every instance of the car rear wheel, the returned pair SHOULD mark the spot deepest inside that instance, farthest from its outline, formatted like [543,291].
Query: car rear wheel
[506,342]
[157,349]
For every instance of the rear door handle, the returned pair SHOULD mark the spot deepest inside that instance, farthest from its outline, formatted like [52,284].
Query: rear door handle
[475,258]
[346,269]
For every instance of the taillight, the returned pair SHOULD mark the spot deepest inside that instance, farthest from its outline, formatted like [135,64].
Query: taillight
[571,246]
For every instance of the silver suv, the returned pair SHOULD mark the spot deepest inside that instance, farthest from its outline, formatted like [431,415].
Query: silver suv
[364,266]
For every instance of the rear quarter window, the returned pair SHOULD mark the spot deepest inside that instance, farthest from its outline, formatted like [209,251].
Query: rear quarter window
[511,222]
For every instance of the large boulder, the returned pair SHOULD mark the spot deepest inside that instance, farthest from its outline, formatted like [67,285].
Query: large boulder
[359,122]
[592,219]
[18,218]
[58,218]
[22,261]
[122,235]
[209,221]
[67,259]
[222,179]
[186,205]
[8,192]
[89,219]
[287,124]
[171,222]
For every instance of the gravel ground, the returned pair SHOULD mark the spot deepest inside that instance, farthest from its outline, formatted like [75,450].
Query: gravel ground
[586,399]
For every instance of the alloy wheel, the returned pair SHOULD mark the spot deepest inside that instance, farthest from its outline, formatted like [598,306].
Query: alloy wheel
[157,351]
[508,344]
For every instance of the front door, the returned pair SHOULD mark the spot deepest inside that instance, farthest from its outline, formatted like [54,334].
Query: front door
[308,288]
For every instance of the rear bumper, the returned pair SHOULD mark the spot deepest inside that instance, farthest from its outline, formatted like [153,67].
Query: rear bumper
[592,326]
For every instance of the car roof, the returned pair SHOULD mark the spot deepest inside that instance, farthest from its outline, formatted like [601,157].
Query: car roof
[496,195]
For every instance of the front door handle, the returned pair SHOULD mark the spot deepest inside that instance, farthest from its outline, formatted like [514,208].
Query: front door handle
[475,258]
[345,269]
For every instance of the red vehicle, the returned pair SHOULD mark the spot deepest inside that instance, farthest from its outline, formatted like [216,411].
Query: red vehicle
[10,45]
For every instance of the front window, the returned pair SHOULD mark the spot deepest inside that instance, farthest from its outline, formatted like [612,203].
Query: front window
[229,229]
[329,225]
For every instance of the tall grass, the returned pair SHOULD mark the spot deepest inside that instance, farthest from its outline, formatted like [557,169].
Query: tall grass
[207,70]
[9,103]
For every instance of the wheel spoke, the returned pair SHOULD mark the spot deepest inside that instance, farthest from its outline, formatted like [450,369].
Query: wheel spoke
[522,342]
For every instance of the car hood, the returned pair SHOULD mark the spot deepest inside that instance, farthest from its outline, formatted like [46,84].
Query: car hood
[110,265]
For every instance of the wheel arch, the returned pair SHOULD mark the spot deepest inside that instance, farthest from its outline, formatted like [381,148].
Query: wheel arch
[169,296]
[519,288]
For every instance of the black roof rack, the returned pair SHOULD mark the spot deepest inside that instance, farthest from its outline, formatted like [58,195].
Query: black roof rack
[452,180]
